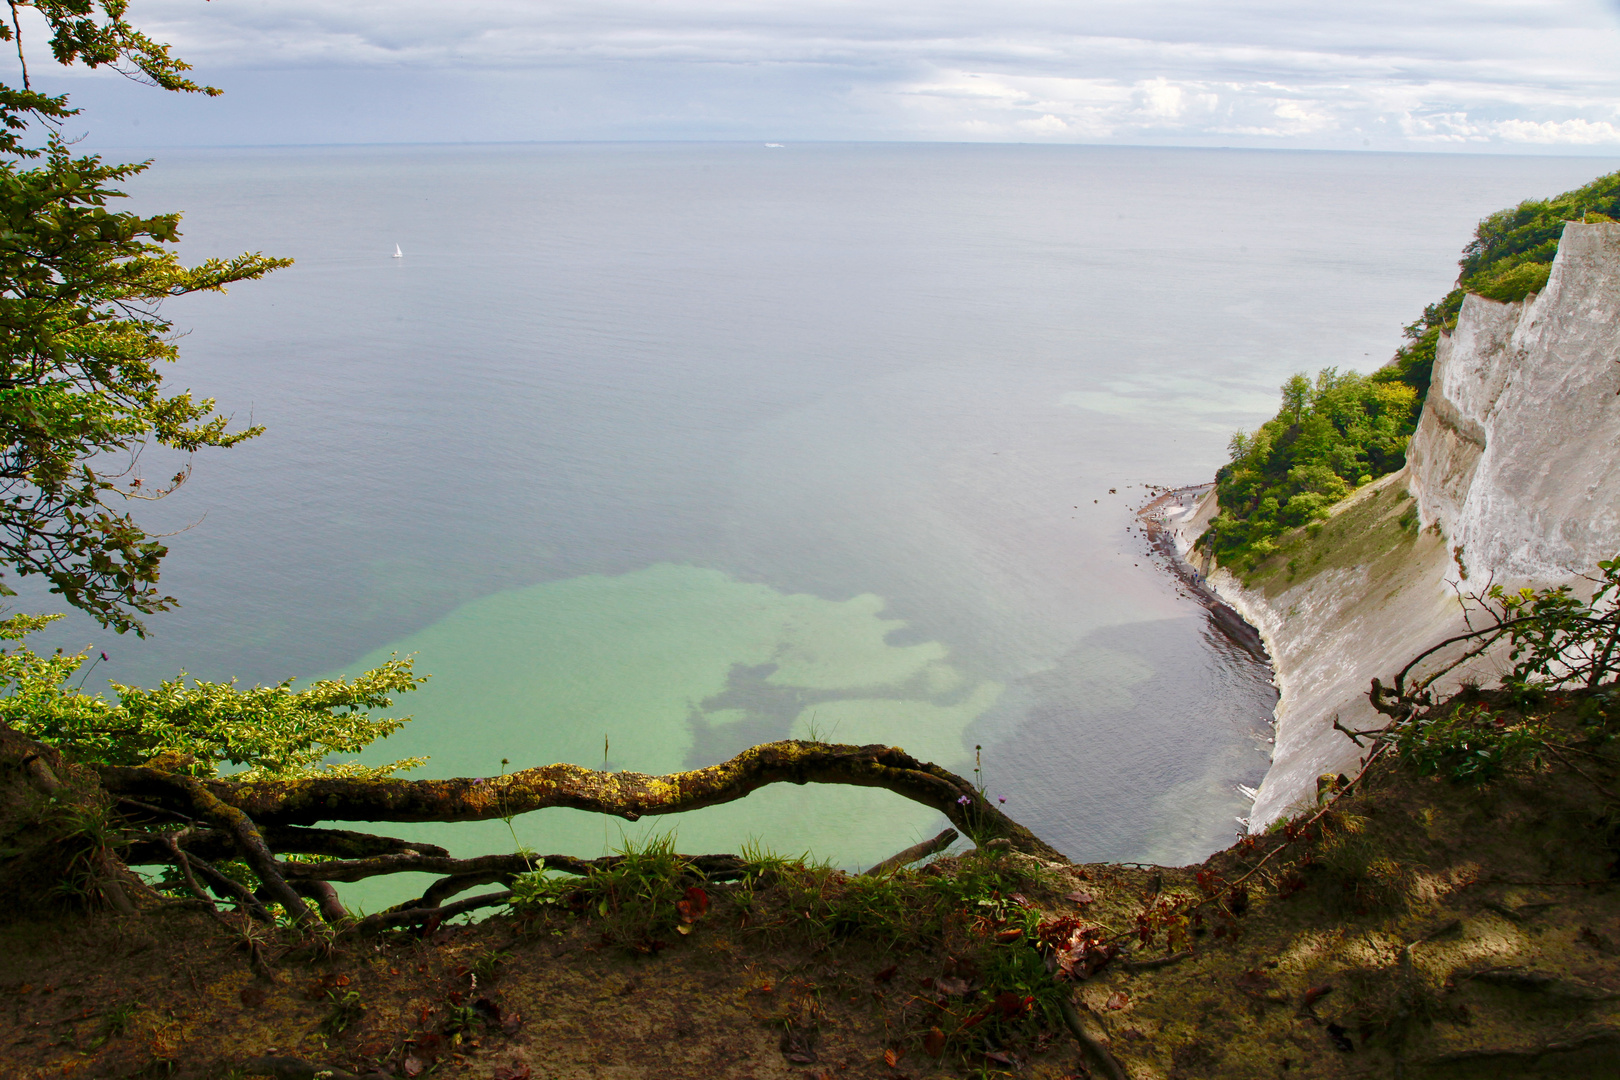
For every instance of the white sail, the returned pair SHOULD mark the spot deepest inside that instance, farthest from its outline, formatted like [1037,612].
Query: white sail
[398,254]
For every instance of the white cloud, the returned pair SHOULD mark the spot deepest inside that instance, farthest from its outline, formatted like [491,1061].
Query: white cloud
[1576,132]
[1046,125]
[1510,73]
[1161,99]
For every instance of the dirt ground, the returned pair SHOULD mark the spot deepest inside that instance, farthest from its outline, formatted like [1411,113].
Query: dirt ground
[1420,929]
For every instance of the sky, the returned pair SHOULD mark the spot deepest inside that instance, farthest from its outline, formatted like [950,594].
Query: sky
[1443,75]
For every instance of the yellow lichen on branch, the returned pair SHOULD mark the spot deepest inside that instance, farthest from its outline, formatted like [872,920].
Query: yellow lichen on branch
[626,795]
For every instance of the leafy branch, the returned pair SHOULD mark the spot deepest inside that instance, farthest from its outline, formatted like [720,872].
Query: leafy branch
[1554,638]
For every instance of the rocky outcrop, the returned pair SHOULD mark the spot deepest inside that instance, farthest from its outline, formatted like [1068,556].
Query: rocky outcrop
[1513,477]
[1517,455]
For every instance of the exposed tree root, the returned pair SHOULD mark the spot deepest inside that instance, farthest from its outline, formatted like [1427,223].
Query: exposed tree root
[383,920]
[167,816]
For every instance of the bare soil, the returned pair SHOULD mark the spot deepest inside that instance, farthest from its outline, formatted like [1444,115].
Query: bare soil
[1421,929]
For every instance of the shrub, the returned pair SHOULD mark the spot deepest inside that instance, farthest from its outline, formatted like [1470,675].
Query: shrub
[1468,745]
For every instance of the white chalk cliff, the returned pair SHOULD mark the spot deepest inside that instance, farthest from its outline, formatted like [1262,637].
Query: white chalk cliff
[1515,472]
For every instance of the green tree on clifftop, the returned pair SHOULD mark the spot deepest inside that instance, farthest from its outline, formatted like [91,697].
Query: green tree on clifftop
[1330,436]
[1346,430]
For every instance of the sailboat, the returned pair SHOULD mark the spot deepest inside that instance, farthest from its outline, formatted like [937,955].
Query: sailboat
[398,254]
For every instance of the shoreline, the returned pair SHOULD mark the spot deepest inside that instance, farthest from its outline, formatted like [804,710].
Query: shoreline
[1163,520]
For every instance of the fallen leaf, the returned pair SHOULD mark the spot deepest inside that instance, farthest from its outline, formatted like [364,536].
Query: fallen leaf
[412,1065]
[977,1018]
[953,987]
[342,980]
[1317,993]
[934,1042]
[693,906]
[1117,1000]
[886,974]
[1081,897]
[1005,937]
[1012,1004]
[998,1057]
[1255,982]
[684,928]
[890,1058]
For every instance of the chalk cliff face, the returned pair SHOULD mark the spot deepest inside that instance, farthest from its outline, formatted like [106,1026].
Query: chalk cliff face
[1513,476]
[1517,454]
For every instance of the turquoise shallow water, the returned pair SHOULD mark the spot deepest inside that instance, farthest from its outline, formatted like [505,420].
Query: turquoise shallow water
[672,667]
[688,446]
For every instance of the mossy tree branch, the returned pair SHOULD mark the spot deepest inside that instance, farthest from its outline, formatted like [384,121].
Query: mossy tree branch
[259,822]
[627,795]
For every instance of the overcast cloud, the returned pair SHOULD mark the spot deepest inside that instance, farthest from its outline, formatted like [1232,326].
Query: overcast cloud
[1501,76]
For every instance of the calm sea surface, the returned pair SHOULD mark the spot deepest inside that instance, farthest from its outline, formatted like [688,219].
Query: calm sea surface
[687,447]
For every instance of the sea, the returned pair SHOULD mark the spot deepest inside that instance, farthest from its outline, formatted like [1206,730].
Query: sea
[646,453]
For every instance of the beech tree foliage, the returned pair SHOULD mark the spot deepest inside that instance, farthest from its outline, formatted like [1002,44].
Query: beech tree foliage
[264,733]
[1329,437]
[82,337]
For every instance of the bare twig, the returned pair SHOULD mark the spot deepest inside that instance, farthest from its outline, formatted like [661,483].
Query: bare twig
[913,853]
[1071,1018]
[1578,771]
[16,28]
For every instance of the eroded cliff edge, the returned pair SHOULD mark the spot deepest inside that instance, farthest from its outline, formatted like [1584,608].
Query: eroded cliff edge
[1512,477]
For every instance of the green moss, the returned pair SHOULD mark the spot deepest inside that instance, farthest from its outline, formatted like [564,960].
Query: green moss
[1370,528]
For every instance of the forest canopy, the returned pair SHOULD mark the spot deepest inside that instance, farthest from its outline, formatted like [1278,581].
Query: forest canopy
[1342,430]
